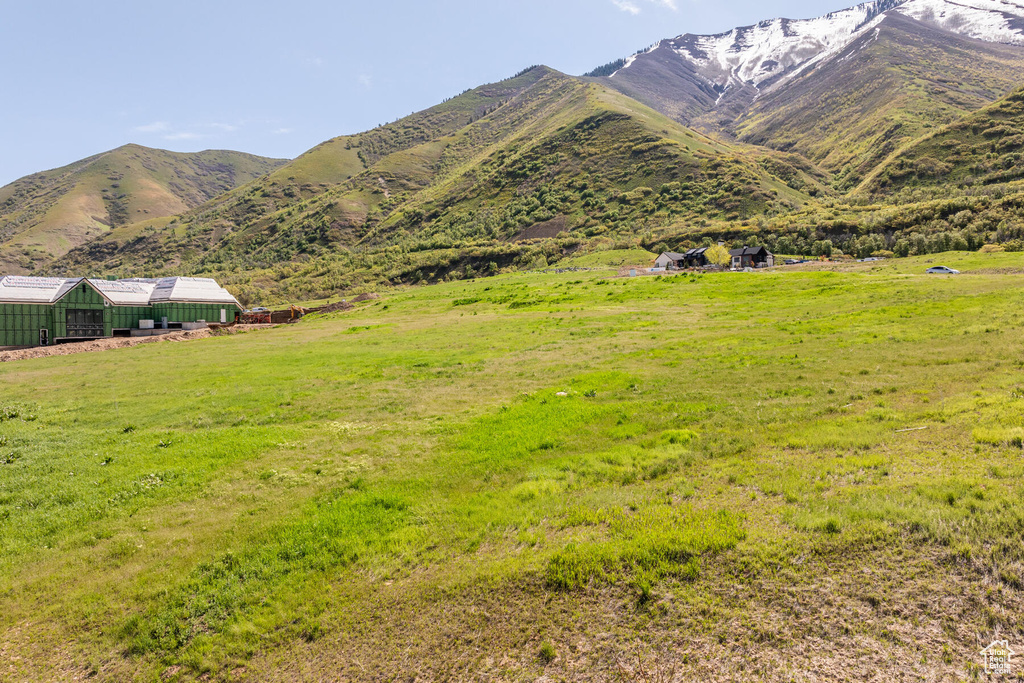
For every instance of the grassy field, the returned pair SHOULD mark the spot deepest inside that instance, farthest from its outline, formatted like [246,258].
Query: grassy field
[799,475]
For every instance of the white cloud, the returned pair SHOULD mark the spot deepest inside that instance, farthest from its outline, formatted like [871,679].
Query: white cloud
[193,131]
[634,6]
[282,131]
[155,127]
[183,135]
[366,80]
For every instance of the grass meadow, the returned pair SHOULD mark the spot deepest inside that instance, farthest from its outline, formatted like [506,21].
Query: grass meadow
[805,474]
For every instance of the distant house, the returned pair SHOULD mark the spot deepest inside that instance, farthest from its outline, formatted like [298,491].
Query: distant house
[751,257]
[696,257]
[670,260]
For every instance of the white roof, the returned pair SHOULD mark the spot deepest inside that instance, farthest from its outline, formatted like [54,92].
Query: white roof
[133,292]
[29,290]
[191,289]
[122,293]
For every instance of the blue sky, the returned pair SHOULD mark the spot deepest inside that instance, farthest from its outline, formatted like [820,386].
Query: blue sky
[277,78]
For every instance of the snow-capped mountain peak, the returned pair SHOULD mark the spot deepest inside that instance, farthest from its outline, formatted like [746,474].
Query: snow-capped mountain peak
[774,51]
[755,54]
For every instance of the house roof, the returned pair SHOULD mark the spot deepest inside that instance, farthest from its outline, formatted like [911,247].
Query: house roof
[747,251]
[673,255]
[133,292]
[17,289]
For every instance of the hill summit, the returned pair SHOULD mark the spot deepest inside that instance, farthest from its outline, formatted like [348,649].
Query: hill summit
[45,214]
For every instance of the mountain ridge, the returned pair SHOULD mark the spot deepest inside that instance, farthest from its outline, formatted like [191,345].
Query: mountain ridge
[820,87]
[762,53]
[45,214]
[533,157]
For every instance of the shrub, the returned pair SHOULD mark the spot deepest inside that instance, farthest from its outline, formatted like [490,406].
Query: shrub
[998,436]
[831,526]
[678,436]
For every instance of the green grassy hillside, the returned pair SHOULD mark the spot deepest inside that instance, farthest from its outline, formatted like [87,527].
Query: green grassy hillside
[538,475]
[44,215]
[536,156]
[982,149]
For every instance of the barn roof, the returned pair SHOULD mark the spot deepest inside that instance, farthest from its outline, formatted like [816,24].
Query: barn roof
[68,284]
[124,293]
[18,289]
[190,290]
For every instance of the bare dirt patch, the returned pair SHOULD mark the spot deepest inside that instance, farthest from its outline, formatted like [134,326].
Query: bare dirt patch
[545,230]
[906,614]
[120,343]
[335,307]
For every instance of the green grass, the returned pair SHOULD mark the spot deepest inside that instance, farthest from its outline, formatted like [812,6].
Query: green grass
[556,457]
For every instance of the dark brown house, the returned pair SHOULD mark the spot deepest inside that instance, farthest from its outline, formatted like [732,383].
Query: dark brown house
[751,257]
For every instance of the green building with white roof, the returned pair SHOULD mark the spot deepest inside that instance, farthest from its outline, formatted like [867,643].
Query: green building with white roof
[38,311]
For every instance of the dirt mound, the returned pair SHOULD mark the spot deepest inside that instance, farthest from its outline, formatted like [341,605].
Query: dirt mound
[118,343]
[344,304]
[335,307]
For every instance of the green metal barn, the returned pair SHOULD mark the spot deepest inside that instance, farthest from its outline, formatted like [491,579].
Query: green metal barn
[38,311]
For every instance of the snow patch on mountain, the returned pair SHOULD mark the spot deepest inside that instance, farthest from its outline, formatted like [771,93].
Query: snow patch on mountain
[995,21]
[775,51]
[754,54]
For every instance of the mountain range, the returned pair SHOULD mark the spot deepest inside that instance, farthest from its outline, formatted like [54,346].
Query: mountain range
[845,89]
[789,132]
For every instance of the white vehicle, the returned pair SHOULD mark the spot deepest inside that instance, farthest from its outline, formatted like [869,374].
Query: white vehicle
[942,270]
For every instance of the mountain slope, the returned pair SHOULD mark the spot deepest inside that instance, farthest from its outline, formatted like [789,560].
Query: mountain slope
[888,87]
[842,89]
[984,148]
[535,156]
[44,215]
[728,70]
